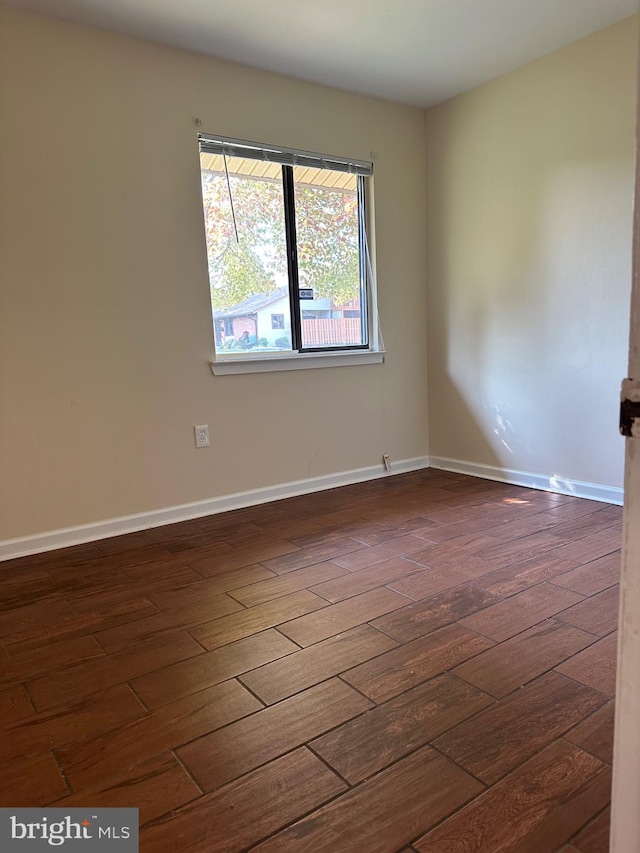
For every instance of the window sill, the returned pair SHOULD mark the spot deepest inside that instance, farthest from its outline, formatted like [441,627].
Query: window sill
[297,361]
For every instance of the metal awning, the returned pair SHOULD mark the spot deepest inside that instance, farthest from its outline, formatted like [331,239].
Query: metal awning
[272,171]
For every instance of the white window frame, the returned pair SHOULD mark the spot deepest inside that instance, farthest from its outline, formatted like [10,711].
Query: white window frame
[373,353]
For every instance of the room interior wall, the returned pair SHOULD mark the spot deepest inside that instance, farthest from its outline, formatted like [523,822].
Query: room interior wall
[105,318]
[529,193]
[105,321]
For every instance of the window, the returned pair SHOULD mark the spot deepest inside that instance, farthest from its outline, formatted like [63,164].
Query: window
[287,250]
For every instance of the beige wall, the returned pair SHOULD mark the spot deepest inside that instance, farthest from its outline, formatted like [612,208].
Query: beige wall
[105,320]
[105,324]
[529,188]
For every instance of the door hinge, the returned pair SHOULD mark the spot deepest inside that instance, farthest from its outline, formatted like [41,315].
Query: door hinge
[630,408]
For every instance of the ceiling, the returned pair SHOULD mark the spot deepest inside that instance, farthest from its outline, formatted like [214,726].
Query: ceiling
[416,52]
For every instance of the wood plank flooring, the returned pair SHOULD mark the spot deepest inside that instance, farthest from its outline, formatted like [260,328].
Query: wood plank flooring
[420,663]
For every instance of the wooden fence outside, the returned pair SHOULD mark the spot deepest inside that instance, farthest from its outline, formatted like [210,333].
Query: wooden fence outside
[335,330]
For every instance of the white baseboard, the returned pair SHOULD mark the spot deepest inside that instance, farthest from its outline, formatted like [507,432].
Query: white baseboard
[10,548]
[40,542]
[546,483]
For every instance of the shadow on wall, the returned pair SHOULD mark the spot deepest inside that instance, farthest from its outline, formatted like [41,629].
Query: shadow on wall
[529,228]
[462,426]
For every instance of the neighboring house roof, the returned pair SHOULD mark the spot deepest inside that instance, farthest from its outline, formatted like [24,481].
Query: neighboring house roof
[252,304]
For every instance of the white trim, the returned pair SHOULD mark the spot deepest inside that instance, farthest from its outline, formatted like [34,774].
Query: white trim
[625,815]
[544,482]
[299,361]
[10,548]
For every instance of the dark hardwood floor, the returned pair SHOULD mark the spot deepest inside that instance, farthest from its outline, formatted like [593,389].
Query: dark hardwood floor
[420,663]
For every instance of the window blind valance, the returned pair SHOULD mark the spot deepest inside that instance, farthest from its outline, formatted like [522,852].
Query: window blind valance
[284,156]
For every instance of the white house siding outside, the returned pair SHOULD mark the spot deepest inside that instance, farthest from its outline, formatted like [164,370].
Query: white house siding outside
[264,322]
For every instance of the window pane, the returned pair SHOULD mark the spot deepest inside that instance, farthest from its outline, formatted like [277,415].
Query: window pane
[248,275]
[331,294]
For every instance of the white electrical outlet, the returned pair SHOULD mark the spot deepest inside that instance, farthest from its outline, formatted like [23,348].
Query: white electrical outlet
[202,435]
